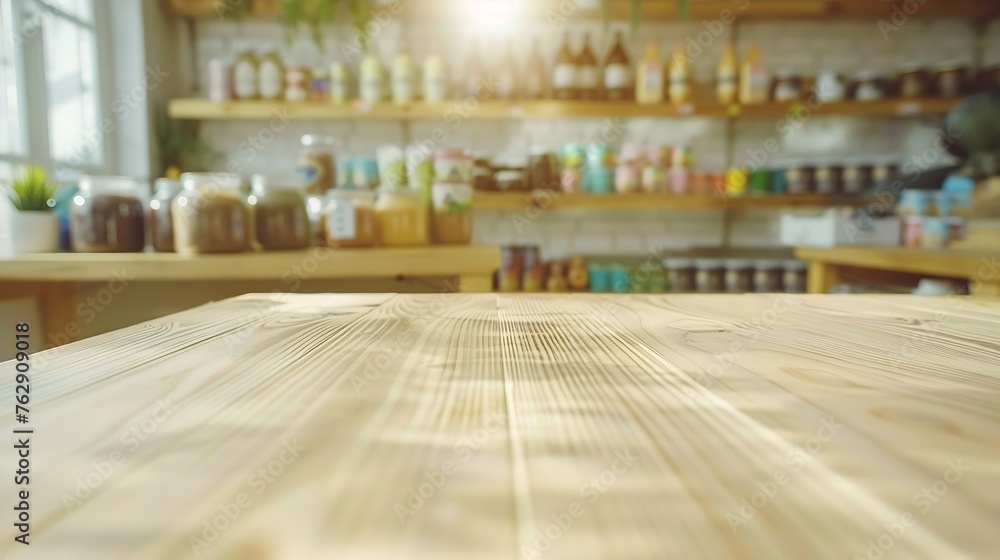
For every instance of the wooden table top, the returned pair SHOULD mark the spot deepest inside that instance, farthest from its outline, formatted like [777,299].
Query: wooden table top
[520,426]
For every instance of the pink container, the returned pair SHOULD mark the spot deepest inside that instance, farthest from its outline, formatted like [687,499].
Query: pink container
[679,180]
[570,180]
[626,178]
[912,231]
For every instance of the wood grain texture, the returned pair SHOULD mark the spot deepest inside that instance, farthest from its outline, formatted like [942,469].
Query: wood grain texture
[576,427]
[315,263]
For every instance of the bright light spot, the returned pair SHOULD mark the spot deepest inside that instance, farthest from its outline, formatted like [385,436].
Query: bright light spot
[78,200]
[252,200]
[494,15]
[182,201]
[155,204]
[315,205]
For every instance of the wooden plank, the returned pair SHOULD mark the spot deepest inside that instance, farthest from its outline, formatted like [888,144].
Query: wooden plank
[501,426]
[555,200]
[459,110]
[450,10]
[934,262]
[315,263]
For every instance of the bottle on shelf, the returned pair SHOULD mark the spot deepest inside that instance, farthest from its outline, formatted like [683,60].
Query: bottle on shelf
[753,76]
[270,75]
[403,76]
[725,76]
[587,72]
[475,72]
[507,89]
[617,82]
[680,77]
[649,78]
[340,79]
[245,84]
[535,75]
[372,82]
[565,77]
[435,77]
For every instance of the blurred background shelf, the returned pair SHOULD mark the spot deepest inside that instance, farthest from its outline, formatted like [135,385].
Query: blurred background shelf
[454,111]
[656,201]
[656,10]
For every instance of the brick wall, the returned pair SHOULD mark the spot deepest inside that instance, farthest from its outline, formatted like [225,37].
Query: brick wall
[802,47]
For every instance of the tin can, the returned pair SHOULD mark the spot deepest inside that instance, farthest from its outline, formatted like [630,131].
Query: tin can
[510,269]
[736,182]
[912,231]
[220,85]
[532,269]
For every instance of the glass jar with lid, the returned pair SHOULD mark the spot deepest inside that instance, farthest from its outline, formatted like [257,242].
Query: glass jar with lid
[317,165]
[349,219]
[107,216]
[401,217]
[452,218]
[279,211]
[161,225]
[211,215]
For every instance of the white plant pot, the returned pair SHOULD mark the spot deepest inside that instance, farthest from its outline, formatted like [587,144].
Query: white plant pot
[34,232]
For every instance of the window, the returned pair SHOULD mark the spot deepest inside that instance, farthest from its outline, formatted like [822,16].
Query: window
[50,80]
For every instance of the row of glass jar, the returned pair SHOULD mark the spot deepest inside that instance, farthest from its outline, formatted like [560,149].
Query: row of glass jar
[209,213]
[737,275]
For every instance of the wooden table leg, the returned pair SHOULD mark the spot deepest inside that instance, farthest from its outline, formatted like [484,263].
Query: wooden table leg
[475,284]
[822,277]
[58,303]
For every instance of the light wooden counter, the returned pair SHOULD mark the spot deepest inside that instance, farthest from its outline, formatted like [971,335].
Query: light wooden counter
[492,426]
[52,278]
[827,267]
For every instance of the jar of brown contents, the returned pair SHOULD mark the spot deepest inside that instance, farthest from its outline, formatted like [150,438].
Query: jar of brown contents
[452,219]
[161,225]
[107,216]
[279,210]
[210,214]
[349,219]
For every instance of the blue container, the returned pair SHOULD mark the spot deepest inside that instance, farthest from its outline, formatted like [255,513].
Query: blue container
[64,198]
[912,203]
[779,183]
[600,278]
[620,278]
[365,173]
[599,181]
[943,200]
[345,173]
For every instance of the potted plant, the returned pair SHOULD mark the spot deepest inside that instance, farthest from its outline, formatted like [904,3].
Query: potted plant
[34,228]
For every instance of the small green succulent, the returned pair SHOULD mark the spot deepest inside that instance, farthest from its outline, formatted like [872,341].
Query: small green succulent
[33,191]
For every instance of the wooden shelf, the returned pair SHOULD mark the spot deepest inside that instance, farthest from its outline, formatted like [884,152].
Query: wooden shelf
[826,267]
[654,201]
[444,10]
[450,112]
[323,264]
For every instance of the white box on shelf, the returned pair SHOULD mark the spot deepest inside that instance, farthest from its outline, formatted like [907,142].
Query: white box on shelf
[836,227]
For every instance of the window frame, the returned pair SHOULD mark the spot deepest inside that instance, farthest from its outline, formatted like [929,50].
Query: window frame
[33,94]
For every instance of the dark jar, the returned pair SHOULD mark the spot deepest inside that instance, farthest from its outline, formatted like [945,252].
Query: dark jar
[279,209]
[107,216]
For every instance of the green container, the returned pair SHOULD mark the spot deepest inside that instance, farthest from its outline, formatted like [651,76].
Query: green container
[760,182]
[658,281]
